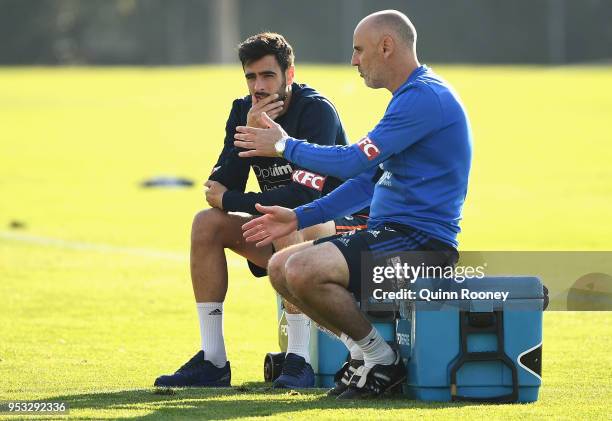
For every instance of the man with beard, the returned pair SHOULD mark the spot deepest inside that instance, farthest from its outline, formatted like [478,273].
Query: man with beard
[267,60]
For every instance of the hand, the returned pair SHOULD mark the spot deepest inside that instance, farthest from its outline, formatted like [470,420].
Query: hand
[259,141]
[268,105]
[214,194]
[276,222]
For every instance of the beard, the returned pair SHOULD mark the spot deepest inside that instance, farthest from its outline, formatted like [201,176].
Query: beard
[282,92]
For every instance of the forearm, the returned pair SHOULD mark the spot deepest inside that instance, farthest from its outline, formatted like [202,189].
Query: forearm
[232,172]
[340,161]
[289,196]
[351,196]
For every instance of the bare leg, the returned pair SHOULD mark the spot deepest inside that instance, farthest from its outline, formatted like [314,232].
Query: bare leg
[319,289]
[212,232]
[308,234]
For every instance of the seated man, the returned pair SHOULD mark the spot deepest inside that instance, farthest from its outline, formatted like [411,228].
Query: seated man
[267,60]
[423,144]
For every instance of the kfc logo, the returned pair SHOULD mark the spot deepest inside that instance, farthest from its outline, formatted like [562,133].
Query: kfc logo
[368,147]
[308,179]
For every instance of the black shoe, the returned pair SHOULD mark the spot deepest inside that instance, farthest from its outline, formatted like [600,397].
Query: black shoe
[371,382]
[197,372]
[343,377]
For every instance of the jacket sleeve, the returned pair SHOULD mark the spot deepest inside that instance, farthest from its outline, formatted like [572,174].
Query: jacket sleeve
[319,123]
[409,118]
[231,170]
[351,196]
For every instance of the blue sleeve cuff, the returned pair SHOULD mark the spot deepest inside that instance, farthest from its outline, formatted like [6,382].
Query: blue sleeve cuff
[309,215]
[290,146]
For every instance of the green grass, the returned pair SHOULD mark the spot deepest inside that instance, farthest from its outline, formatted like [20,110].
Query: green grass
[94,325]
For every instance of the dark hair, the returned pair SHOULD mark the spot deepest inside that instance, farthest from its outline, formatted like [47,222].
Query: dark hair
[257,46]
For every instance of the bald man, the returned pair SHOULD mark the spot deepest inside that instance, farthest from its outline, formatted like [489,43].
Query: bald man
[423,145]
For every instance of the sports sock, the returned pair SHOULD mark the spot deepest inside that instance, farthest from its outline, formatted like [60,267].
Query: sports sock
[356,352]
[298,333]
[211,332]
[375,349]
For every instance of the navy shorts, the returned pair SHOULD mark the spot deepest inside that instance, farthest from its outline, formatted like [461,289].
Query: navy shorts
[385,241]
[344,225]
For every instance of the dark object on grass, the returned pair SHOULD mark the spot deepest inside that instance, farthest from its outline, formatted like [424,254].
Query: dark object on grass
[167,181]
[273,365]
[16,225]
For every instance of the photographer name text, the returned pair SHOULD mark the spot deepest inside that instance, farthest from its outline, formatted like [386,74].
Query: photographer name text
[439,295]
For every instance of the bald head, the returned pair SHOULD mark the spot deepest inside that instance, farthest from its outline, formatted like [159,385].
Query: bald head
[384,49]
[390,22]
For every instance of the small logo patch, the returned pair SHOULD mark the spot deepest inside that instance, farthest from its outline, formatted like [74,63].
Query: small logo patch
[369,148]
[385,179]
[215,312]
[309,179]
[344,240]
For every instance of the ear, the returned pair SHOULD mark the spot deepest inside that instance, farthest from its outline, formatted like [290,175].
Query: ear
[290,74]
[388,45]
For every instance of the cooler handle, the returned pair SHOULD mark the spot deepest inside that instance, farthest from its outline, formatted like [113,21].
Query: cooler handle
[510,397]
[475,322]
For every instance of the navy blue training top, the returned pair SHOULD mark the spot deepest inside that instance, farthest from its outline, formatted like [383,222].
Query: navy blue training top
[309,116]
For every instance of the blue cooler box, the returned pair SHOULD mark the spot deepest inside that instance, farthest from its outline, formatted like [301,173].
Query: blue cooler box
[477,347]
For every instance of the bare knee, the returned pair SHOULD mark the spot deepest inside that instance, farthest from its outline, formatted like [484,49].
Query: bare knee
[300,278]
[276,270]
[206,226]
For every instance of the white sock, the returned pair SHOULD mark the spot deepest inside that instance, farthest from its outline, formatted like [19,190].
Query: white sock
[375,349]
[356,352]
[211,332]
[298,335]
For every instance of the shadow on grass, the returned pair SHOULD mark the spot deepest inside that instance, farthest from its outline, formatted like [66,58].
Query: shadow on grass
[248,400]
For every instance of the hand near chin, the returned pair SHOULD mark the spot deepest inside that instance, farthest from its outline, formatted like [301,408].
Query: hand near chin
[270,105]
[259,142]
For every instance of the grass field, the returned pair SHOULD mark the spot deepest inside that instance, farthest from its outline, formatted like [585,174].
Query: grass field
[95,296]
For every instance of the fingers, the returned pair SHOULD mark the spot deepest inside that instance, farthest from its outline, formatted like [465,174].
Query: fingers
[252,223]
[248,154]
[258,234]
[264,209]
[243,141]
[254,231]
[266,120]
[250,233]
[265,242]
[278,105]
[247,130]
[264,101]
